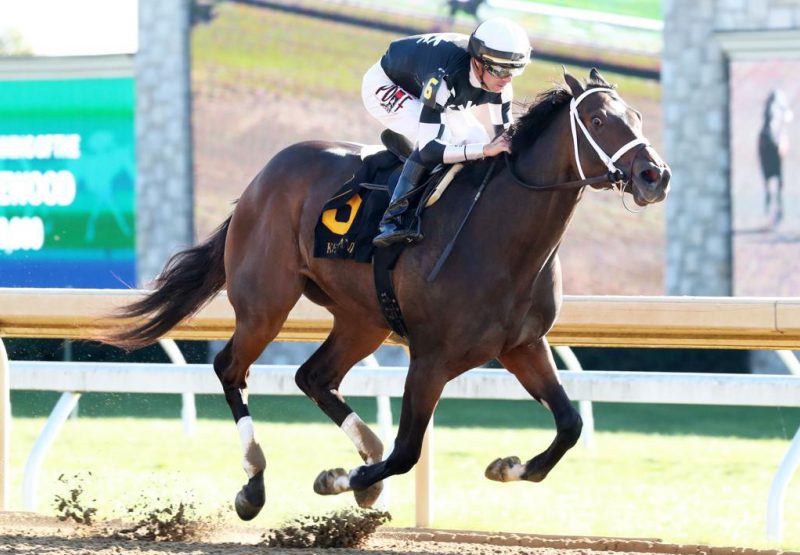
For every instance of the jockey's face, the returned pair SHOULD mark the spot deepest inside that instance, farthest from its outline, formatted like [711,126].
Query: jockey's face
[490,81]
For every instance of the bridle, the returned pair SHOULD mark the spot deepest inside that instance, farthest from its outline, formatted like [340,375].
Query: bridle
[616,177]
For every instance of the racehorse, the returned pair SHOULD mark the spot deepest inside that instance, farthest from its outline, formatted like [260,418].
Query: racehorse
[772,147]
[495,298]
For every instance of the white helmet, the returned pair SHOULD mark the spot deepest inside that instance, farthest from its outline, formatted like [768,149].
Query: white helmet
[501,42]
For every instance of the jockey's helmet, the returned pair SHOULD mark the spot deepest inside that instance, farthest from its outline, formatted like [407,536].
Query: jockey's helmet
[499,42]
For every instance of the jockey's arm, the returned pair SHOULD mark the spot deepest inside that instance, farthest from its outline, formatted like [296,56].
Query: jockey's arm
[433,150]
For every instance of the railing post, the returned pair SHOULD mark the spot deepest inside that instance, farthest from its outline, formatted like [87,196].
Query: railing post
[5,426]
[777,492]
[424,481]
[188,407]
[384,414]
[66,403]
[789,359]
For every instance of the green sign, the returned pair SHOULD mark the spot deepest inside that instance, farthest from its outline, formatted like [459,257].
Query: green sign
[67,175]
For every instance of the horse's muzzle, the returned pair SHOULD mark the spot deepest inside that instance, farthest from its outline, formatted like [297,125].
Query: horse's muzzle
[650,182]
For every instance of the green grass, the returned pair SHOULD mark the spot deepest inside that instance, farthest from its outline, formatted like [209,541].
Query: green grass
[256,48]
[683,474]
[650,9]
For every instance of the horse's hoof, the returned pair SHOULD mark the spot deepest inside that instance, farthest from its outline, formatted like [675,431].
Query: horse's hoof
[366,497]
[251,497]
[332,482]
[508,469]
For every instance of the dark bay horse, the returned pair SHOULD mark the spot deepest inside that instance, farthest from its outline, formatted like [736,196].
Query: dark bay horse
[496,298]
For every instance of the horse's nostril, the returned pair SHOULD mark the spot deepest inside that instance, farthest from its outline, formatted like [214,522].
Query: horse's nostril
[651,175]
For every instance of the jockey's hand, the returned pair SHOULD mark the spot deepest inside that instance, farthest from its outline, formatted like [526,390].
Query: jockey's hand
[499,144]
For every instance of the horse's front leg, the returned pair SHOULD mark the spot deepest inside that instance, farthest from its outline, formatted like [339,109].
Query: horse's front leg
[534,367]
[319,378]
[424,385]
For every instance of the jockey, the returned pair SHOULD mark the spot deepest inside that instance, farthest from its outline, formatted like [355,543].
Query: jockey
[423,87]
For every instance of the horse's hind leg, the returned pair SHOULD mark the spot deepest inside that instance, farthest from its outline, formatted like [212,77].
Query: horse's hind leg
[535,369]
[260,313]
[320,377]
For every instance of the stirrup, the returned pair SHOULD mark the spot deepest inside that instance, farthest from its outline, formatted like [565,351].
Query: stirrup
[390,237]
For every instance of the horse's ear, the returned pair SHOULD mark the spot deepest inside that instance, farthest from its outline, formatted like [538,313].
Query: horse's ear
[574,85]
[594,75]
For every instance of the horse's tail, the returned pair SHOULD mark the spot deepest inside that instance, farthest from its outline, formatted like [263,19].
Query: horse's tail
[189,280]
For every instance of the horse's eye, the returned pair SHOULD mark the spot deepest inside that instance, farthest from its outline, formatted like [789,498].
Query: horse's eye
[597,122]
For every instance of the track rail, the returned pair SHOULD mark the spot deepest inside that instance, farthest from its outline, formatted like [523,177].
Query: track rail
[599,321]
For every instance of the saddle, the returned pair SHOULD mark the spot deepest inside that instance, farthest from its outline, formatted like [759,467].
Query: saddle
[397,144]
[349,220]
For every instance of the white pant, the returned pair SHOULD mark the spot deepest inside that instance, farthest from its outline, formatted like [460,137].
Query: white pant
[399,111]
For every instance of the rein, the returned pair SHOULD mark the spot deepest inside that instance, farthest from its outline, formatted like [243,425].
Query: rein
[609,177]
[616,177]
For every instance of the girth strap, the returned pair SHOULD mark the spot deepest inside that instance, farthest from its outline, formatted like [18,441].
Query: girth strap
[383,263]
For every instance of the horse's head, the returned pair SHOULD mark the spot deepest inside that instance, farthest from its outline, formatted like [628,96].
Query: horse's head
[607,137]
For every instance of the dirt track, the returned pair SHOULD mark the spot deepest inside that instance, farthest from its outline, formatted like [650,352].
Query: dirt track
[33,534]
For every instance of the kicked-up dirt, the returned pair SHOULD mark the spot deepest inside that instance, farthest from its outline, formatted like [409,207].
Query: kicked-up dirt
[28,533]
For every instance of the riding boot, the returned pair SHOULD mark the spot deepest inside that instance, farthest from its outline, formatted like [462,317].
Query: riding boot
[392,228]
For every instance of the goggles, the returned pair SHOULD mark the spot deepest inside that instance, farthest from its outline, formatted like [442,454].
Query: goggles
[503,71]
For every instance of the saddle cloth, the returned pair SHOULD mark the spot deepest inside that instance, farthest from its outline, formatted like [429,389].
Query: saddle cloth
[349,220]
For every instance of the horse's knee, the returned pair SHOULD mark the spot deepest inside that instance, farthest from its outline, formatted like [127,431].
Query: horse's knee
[301,378]
[307,379]
[222,361]
[570,433]
[313,382]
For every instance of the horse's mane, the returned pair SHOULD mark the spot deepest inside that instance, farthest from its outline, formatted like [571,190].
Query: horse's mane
[536,119]
[538,116]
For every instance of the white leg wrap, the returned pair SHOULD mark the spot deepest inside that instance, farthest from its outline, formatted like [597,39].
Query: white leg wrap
[355,428]
[248,442]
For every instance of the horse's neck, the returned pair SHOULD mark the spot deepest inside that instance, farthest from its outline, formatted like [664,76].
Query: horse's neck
[541,218]
[547,162]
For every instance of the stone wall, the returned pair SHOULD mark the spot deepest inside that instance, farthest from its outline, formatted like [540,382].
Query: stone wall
[699,38]
[164,201]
